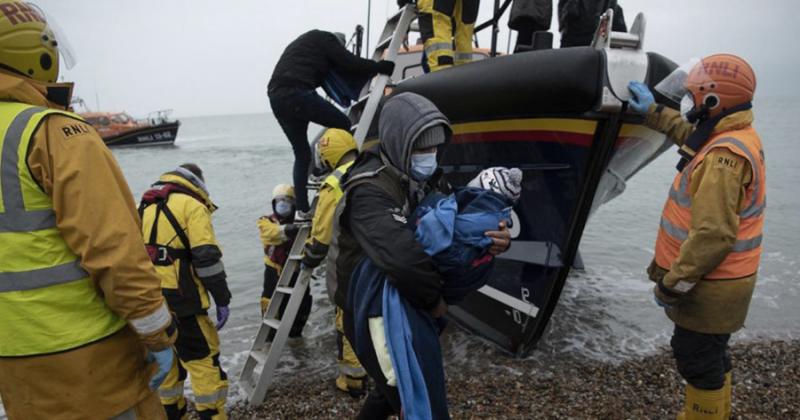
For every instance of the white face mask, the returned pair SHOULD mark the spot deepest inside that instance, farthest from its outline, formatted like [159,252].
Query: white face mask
[423,165]
[283,208]
[687,104]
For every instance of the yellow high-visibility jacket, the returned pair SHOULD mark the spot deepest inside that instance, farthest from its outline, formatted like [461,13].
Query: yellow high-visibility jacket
[193,269]
[66,171]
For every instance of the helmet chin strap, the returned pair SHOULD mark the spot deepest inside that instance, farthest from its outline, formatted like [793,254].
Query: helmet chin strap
[698,114]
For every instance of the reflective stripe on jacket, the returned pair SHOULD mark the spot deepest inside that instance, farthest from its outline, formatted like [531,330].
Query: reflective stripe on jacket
[48,303]
[743,260]
[329,195]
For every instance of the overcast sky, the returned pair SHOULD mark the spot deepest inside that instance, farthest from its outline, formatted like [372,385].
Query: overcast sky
[202,57]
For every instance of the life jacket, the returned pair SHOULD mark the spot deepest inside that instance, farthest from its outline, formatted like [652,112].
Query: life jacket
[278,254]
[186,300]
[344,253]
[48,302]
[743,260]
[164,255]
[335,179]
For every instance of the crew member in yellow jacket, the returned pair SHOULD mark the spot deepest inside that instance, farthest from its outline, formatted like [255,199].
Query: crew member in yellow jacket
[709,242]
[176,225]
[81,310]
[277,232]
[337,150]
[436,21]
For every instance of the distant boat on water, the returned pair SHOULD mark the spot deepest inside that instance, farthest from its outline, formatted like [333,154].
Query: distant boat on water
[120,129]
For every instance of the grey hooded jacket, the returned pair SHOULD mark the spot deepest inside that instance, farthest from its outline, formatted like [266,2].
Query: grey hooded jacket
[371,219]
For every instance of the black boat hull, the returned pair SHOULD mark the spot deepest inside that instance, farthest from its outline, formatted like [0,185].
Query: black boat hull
[157,135]
[539,111]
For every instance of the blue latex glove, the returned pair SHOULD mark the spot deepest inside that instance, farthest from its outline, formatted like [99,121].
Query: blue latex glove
[164,360]
[642,97]
[223,312]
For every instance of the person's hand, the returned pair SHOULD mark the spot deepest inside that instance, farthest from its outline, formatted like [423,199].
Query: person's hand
[642,97]
[163,359]
[501,239]
[386,67]
[439,310]
[223,312]
[290,230]
[662,299]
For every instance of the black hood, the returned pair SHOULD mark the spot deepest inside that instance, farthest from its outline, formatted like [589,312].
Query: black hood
[402,119]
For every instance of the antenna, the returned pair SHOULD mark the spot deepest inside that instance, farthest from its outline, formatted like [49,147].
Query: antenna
[96,98]
[369,15]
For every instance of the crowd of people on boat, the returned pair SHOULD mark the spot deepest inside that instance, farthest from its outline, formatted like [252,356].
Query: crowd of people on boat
[105,306]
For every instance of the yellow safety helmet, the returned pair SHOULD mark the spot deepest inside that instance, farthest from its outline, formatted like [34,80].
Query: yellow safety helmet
[283,191]
[29,45]
[334,144]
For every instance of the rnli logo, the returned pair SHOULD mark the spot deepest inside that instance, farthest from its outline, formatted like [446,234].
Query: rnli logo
[20,13]
[716,68]
[723,161]
[74,129]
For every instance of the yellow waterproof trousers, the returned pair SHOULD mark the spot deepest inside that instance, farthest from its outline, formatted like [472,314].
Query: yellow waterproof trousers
[197,349]
[437,19]
[352,376]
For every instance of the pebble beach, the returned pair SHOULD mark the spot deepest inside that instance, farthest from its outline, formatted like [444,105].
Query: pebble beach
[766,386]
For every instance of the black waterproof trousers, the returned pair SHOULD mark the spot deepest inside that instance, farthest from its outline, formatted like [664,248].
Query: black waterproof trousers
[702,359]
[294,109]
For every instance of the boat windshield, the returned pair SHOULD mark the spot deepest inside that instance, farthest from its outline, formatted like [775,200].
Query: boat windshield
[98,121]
[121,118]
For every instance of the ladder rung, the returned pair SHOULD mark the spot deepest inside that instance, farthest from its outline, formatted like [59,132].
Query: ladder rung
[385,43]
[259,356]
[284,290]
[395,17]
[272,323]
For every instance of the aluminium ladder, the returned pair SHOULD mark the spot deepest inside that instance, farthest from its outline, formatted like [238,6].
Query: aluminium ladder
[392,37]
[266,352]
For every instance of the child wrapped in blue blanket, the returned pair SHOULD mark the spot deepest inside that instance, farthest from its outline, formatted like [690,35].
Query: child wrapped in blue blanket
[451,228]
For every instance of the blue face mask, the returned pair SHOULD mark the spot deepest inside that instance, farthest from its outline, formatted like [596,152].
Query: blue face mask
[423,165]
[283,208]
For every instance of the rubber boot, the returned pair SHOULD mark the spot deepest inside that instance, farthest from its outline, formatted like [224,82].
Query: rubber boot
[728,387]
[355,387]
[701,404]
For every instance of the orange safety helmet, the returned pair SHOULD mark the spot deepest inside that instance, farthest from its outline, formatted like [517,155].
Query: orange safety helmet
[713,85]
[721,82]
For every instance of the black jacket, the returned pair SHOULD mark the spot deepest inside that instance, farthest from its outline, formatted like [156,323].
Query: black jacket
[578,19]
[308,59]
[372,217]
[533,14]
[375,223]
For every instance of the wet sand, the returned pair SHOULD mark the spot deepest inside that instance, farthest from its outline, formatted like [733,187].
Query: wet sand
[766,385]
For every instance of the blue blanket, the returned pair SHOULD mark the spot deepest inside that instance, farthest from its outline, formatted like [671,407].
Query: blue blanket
[409,332]
[451,229]
[343,88]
